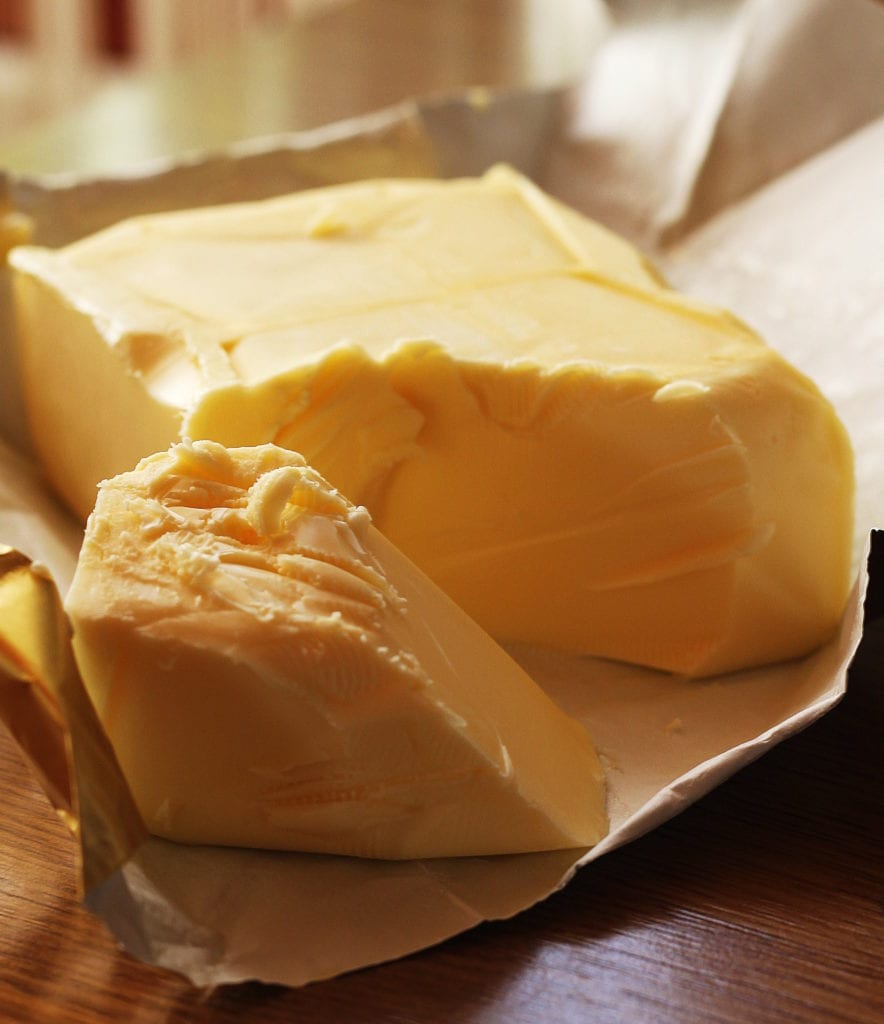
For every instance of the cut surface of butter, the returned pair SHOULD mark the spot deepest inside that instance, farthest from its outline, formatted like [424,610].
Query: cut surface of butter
[272,672]
[577,455]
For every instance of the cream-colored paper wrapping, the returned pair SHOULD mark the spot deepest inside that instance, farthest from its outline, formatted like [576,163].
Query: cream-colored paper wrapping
[800,259]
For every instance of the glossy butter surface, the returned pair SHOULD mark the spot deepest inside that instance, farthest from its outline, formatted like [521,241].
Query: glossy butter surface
[273,673]
[576,454]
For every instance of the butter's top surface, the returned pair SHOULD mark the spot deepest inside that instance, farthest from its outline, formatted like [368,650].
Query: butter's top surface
[251,528]
[273,673]
[482,267]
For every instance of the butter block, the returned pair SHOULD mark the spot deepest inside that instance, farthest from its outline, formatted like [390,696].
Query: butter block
[576,454]
[272,672]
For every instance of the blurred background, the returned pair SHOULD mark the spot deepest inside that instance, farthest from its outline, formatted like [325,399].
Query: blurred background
[101,83]
[54,52]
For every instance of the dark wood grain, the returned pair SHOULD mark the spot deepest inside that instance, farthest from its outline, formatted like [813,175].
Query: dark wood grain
[762,903]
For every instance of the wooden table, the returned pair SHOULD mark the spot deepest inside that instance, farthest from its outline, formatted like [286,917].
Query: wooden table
[762,903]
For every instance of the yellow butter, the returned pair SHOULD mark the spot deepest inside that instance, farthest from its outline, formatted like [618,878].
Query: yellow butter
[576,454]
[273,673]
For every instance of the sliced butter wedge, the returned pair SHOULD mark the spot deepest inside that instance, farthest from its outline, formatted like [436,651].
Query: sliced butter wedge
[273,673]
[574,453]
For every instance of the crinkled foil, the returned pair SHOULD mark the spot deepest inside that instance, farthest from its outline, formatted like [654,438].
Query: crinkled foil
[44,705]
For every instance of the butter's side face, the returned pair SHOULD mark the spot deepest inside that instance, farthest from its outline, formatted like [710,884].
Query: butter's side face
[272,672]
[578,456]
